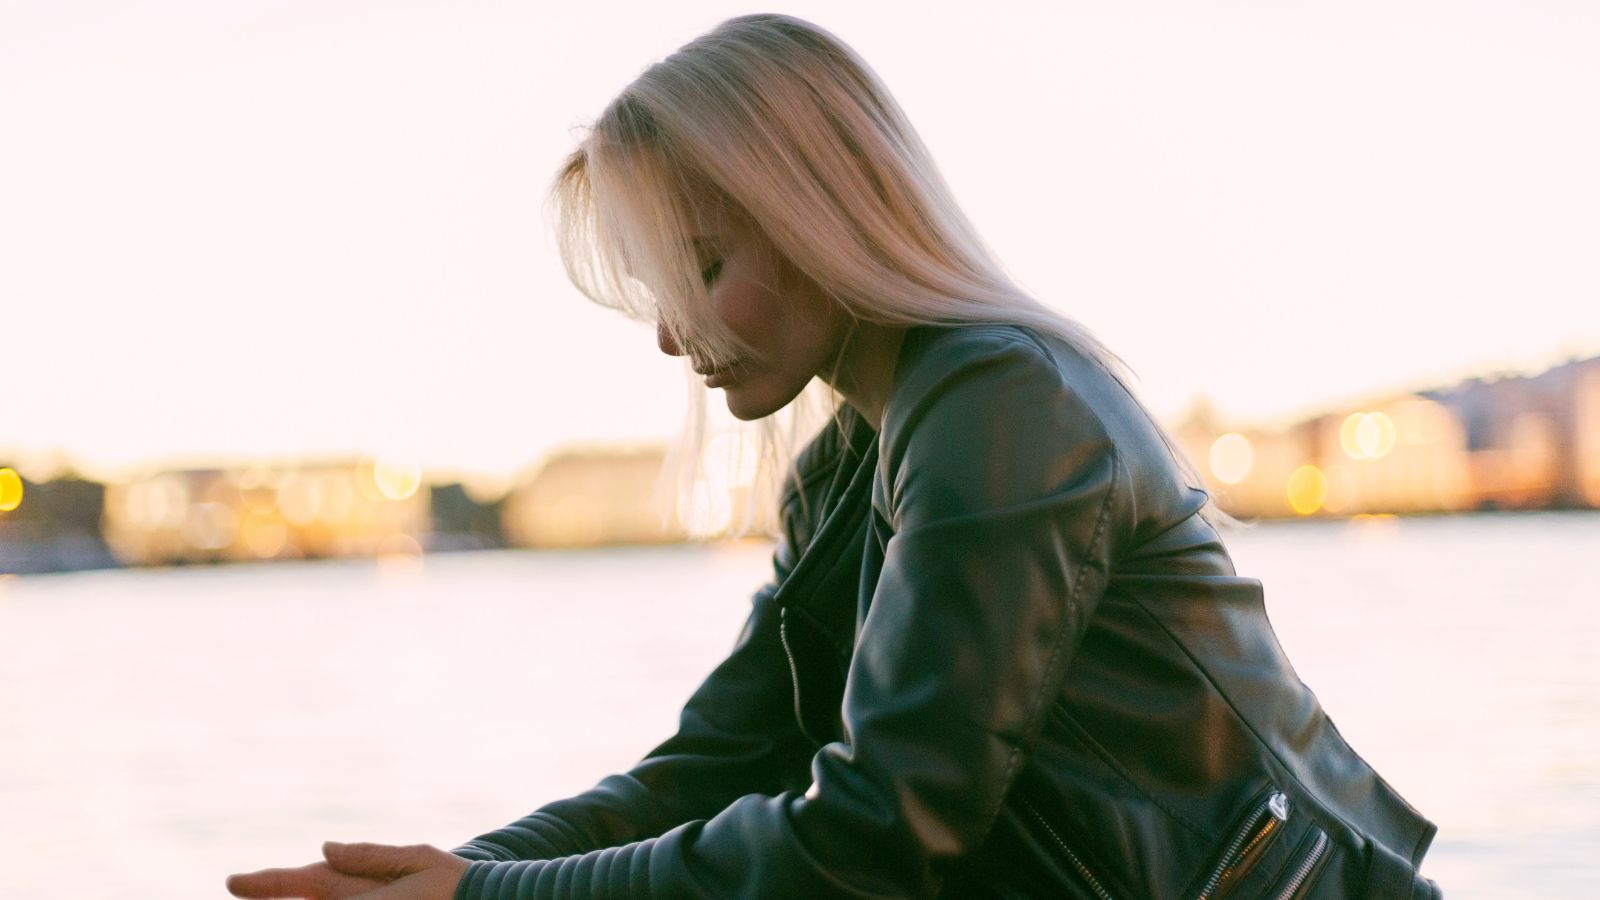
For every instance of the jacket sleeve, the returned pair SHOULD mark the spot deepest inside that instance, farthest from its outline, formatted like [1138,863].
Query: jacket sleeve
[736,735]
[1002,486]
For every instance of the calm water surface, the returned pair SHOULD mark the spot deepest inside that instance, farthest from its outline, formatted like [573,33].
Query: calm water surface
[160,729]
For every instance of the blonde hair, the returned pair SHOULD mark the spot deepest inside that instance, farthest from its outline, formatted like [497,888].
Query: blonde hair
[782,124]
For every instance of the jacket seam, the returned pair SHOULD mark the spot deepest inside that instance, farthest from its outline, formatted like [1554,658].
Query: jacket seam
[1051,667]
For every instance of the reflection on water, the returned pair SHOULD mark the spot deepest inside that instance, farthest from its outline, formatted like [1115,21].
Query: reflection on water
[160,729]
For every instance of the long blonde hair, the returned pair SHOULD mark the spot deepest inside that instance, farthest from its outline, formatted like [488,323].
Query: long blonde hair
[784,124]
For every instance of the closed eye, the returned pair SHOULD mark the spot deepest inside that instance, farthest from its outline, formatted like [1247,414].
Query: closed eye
[709,273]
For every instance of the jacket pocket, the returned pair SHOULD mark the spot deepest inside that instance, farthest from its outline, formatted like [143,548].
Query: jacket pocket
[1305,866]
[1247,841]
[1275,853]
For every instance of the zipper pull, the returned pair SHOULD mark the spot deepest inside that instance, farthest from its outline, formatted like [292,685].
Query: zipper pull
[1278,803]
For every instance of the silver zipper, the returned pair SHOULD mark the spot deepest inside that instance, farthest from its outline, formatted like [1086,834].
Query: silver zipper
[1302,873]
[1263,821]
[794,671]
[1077,864]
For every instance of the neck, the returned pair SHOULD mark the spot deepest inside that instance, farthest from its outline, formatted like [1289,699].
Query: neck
[865,372]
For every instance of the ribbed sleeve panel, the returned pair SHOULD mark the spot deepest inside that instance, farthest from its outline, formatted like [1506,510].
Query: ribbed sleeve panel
[615,873]
[614,812]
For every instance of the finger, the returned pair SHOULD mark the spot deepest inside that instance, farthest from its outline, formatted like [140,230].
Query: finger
[376,860]
[318,881]
[270,883]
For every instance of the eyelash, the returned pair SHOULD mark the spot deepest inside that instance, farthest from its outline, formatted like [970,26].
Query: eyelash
[709,273]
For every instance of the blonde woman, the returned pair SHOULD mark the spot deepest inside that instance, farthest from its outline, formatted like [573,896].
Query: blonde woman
[1004,653]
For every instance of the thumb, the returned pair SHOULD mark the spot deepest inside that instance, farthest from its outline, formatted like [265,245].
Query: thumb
[374,860]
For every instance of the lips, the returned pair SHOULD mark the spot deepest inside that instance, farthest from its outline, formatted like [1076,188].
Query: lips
[718,377]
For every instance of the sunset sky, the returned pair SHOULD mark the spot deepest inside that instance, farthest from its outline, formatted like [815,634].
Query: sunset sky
[274,229]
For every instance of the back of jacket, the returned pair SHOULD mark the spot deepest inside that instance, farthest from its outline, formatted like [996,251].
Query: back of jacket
[1002,656]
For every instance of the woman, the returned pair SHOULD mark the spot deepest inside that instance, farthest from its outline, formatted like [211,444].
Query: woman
[1004,653]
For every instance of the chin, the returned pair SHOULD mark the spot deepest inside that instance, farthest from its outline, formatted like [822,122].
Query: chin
[748,404]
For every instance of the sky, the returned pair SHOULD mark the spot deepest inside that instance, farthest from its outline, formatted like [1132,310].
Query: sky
[261,230]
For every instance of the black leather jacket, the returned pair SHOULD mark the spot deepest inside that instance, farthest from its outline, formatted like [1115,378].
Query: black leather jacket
[1002,656]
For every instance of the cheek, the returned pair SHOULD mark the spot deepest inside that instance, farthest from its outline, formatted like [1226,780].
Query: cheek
[744,308]
[753,313]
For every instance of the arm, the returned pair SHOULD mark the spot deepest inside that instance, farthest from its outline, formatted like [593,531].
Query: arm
[1005,489]
[736,735]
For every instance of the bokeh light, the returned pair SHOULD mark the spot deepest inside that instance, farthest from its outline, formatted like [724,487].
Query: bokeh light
[338,498]
[1231,458]
[396,477]
[1367,435]
[300,500]
[263,534]
[258,489]
[1307,490]
[210,525]
[10,490]
[1373,527]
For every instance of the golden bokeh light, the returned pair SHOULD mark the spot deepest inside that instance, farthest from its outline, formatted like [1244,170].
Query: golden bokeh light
[10,489]
[396,477]
[1367,435]
[300,500]
[1373,526]
[1231,458]
[258,488]
[338,498]
[1307,490]
[161,502]
[210,525]
[263,534]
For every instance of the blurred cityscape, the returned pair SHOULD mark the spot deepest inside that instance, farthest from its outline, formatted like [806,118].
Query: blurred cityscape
[1510,442]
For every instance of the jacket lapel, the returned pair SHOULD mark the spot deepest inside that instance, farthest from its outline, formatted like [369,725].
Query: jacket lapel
[817,601]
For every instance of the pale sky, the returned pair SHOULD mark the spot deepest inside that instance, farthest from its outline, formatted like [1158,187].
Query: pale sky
[243,230]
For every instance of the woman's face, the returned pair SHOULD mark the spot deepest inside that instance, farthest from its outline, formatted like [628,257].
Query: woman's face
[793,330]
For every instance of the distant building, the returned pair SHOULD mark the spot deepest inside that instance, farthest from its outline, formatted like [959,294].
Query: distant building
[596,496]
[55,527]
[342,508]
[1586,433]
[1532,439]
[461,522]
[584,497]
[1511,442]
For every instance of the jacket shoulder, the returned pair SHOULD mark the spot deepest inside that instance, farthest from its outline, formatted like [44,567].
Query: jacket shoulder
[982,417]
[1007,371]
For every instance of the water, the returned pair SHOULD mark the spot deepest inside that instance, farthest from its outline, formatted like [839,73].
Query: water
[160,729]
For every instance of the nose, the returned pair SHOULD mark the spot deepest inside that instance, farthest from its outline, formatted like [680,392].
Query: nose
[665,342]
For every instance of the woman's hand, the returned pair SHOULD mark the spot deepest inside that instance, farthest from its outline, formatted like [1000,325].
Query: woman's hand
[360,872]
